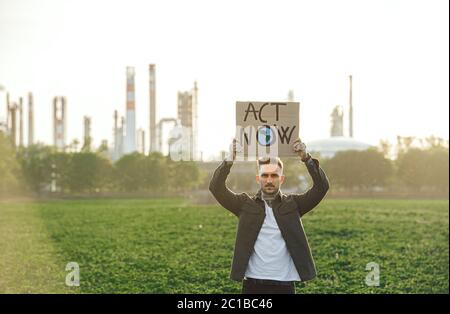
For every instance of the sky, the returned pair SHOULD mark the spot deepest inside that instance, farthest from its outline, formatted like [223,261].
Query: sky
[396,51]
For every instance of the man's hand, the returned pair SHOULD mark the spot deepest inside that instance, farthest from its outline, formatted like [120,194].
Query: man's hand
[300,148]
[235,148]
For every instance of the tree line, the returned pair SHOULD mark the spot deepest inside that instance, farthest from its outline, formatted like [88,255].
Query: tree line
[41,169]
[415,170]
[421,170]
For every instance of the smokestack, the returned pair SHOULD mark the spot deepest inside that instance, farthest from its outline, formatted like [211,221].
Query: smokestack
[116,129]
[116,117]
[141,141]
[13,134]
[152,91]
[290,95]
[30,120]
[20,121]
[187,114]
[8,114]
[116,135]
[87,134]
[59,123]
[130,136]
[195,122]
[350,114]
[121,136]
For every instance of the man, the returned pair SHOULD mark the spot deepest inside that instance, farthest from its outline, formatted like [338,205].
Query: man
[271,250]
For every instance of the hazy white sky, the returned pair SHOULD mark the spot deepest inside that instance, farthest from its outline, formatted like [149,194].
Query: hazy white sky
[397,52]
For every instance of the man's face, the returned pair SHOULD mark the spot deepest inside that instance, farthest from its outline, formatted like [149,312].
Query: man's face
[270,178]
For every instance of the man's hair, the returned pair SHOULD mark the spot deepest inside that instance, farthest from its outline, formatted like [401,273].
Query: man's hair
[268,160]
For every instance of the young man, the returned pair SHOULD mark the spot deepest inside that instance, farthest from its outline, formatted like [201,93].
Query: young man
[271,250]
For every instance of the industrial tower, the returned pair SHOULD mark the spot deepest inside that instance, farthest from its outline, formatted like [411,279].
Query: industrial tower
[20,122]
[187,114]
[141,141]
[87,139]
[152,111]
[130,136]
[118,137]
[30,120]
[12,122]
[350,113]
[337,122]
[59,123]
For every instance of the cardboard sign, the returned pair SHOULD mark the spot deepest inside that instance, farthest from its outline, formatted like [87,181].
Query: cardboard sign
[266,128]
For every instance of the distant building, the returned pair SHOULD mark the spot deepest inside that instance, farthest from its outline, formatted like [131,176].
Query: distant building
[187,115]
[330,146]
[118,131]
[337,122]
[141,141]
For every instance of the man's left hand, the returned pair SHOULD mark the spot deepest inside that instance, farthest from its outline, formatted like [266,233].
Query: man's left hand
[300,148]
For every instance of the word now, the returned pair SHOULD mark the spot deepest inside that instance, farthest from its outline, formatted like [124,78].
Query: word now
[250,132]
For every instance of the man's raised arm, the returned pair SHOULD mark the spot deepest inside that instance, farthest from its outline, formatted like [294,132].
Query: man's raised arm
[226,198]
[308,200]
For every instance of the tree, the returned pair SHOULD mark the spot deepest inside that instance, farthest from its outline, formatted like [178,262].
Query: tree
[424,169]
[129,173]
[385,147]
[73,146]
[36,165]
[88,172]
[183,175]
[404,143]
[60,169]
[10,181]
[156,172]
[435,142]
[411,168]
[438,166]
[103,148]
[362,169]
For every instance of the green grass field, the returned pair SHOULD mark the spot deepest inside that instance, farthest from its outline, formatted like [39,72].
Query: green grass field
[170,246]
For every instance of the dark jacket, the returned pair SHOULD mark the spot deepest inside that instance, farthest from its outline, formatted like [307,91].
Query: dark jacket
[287,209]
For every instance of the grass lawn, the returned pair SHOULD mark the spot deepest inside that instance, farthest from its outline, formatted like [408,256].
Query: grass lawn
[170,246]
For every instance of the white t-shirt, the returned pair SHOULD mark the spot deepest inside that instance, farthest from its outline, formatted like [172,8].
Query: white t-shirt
[271,259]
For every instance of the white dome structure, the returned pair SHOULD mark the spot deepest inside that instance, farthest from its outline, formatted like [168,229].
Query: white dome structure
[330,146]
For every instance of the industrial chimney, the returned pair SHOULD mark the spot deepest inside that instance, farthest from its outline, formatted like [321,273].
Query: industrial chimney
[12,109]
[152,111]
[195,122]
[87,139]
[8,114]
[130,136]
[350,114]
[20,121]
[30,120]
[59,123]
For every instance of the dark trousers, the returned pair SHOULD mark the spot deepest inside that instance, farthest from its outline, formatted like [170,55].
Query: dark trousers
[261,287]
